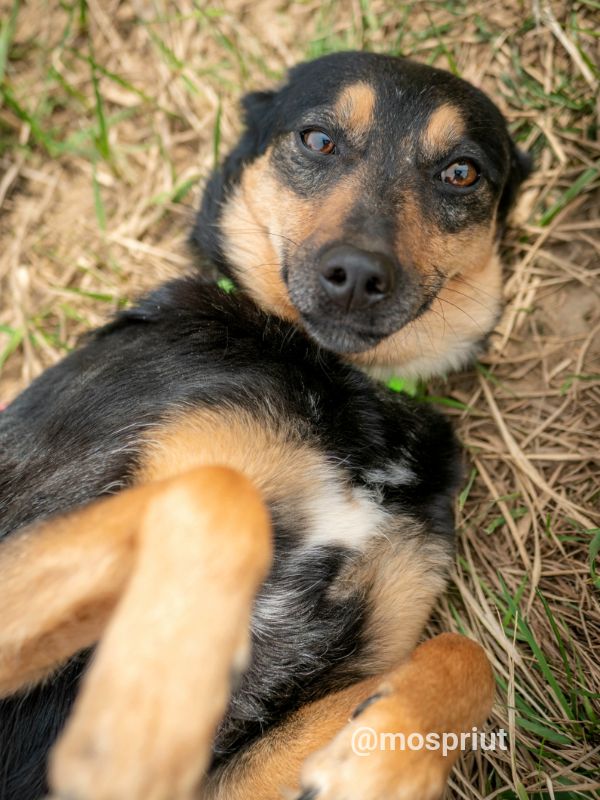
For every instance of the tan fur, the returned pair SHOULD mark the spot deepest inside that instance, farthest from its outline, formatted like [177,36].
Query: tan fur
[278,462]
[404,573]
[465,307]
[323,221]
[168,651]
[256,229]
[252,237]
[446,686]
[271,767]
[354,111]
[444,129]
[60,582]
[426,248]
[149,569]
[407,576]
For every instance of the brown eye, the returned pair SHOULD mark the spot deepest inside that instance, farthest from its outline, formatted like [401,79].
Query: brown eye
[461,174]
[318,142]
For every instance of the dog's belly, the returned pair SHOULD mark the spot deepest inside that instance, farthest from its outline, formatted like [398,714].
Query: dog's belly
[330,615]
[356,571]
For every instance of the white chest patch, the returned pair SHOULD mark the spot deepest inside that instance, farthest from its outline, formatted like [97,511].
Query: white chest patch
[338,514]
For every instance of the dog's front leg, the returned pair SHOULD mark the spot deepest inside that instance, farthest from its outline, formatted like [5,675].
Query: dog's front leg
[404,738]
[60,582]
[143,724]
[348,745]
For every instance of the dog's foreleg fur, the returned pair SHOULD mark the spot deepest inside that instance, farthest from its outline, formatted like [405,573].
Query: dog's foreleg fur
[144,721]
[60,581]
[445,687]
[166,574]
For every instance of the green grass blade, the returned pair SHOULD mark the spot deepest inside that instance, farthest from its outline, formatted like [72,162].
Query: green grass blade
[543,732]
[101,138]
[544,667]
[582,181]
[463,496]
[98,202]
[15,339]
[7,31]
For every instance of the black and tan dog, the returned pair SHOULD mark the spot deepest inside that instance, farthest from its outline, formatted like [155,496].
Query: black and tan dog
[212,490]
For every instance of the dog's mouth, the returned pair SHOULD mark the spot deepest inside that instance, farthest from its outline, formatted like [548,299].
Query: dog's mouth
[355,333]
[342,338]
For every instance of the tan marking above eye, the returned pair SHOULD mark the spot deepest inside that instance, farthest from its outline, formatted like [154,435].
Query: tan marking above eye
[460,173]
[445,128]
[354,110]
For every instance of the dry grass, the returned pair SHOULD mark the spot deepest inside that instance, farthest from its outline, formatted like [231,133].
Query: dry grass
[112,113]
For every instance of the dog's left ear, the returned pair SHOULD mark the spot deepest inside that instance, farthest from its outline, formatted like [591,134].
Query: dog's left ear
[259,124]
[259,120]
[521,165]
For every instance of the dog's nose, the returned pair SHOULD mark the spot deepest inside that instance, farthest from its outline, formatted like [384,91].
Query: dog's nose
[355,278]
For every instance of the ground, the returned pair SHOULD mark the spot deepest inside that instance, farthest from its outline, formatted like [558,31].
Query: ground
[112,114]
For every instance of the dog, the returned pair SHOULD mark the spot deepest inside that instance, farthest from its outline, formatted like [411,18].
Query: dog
[217,496]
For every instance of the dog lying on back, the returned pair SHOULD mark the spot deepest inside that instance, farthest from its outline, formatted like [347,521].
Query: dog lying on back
[211,490]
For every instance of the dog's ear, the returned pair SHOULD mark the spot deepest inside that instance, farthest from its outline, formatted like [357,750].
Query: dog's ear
[521,165]
[259,122]
[258,115]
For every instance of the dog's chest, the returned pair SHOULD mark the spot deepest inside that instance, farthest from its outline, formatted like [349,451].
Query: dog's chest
[352,583]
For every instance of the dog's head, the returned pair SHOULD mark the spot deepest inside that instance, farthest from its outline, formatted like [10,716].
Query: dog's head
[364,201]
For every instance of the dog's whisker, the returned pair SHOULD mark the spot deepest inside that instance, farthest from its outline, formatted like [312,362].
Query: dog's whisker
[264,231]
[476,286]
[477,324]
[470,297]
[254,228]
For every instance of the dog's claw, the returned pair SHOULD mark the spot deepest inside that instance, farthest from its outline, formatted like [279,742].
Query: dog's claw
[365,704]
[308,794]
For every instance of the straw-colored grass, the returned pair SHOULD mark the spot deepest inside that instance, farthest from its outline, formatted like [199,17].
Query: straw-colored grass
[111,115]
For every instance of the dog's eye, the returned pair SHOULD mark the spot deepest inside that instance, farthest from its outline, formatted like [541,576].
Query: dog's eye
[317,141]
[460,173]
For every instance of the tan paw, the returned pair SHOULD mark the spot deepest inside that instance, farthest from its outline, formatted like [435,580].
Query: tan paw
[363,762]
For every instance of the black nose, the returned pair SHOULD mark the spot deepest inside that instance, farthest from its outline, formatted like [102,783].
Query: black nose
[355,278]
